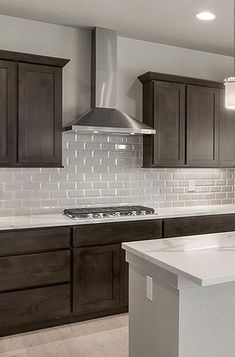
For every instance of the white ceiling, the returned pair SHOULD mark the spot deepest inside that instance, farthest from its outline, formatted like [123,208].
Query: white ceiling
[170,22]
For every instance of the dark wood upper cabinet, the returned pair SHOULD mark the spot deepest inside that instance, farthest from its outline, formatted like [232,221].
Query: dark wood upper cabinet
[40,108]
[169,122]
[202,125]
[30,110]
[7,111]
[226,135]
[193,127]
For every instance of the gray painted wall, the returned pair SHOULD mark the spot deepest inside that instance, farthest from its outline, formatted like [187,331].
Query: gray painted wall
[17,34]
[134,58]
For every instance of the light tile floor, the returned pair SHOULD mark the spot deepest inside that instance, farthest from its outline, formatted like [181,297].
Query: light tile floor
[106,337]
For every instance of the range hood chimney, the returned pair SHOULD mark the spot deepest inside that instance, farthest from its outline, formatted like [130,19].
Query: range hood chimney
[104,117]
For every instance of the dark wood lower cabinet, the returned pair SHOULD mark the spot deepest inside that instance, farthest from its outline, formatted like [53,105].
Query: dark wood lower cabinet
[32,270]
[53,276]
[187,226]
[124,279]
[100,272]
[96,278]
[25,241]
[57,275]
[34,305]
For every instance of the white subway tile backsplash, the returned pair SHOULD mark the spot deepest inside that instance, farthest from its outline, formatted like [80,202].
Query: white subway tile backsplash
[59,194]
[83,184]
[76,193]
[108,192]
[31,203]
[92,193]
[24,177]
[99,184]
[107,170]
[12,203]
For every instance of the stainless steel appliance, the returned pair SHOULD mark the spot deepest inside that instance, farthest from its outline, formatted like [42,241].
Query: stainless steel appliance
[104,117]
[103,212]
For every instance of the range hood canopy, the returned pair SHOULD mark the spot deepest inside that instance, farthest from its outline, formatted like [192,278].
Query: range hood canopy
[104,117]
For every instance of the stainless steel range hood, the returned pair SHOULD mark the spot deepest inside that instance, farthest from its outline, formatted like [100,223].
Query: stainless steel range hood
[104,117]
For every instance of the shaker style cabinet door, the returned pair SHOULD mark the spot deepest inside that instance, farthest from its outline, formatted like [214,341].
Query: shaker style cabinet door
[39,119]
[226,135]
[96,278]
[169,121]
[203,110]
[8,124]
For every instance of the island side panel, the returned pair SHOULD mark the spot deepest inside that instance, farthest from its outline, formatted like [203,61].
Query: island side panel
[153,325]
[207,320]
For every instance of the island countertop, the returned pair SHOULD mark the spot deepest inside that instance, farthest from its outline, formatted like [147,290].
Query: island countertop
[203,259]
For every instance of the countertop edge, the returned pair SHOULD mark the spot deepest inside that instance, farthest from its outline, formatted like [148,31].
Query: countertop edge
[60,220]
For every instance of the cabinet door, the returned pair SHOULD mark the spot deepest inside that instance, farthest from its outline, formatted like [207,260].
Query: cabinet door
[7,112]
[20,310]
[40,128]
[124,279]
[96,278]
[226,135]
[169,121]
[202,126]
[34,270]
[187,226]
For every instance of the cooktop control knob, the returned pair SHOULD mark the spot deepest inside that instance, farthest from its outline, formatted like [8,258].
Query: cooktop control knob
[143,213]
[100,215]
[133,213]
[90,215]
[117,214]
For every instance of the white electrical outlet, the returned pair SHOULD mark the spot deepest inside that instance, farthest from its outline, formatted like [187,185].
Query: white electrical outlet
[149,288]
[192,186]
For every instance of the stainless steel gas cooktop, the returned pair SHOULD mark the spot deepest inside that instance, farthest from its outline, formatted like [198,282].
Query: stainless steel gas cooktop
[102,212]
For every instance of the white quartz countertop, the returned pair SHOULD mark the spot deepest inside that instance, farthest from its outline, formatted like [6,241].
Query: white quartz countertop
[52,220]
[204,259]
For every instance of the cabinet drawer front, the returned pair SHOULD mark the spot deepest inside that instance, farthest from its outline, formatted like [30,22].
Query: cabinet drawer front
[34,240]
[96,275]
[108,233]
[26,271]
[30,306]
[175,227]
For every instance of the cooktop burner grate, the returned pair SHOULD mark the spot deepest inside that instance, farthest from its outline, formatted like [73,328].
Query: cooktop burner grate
[100,212]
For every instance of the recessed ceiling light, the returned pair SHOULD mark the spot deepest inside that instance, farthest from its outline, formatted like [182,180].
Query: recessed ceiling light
[205,16]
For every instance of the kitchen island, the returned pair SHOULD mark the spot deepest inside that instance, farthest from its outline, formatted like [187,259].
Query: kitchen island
[182,296]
